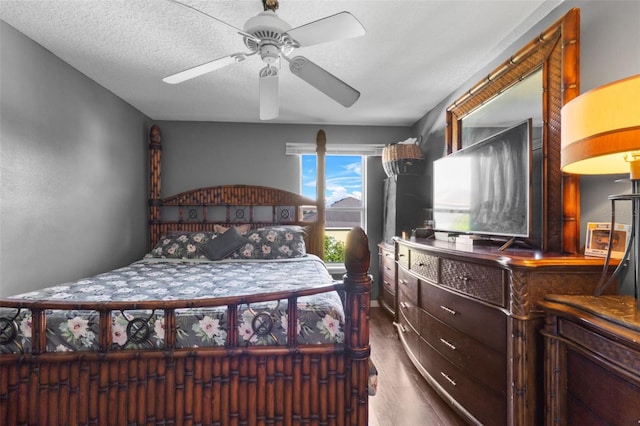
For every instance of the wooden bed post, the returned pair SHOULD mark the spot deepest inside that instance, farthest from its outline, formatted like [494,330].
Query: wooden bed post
[155,151]
[358,288]
[321,151]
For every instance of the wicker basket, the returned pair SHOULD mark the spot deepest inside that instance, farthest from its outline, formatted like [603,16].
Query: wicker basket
[403,159]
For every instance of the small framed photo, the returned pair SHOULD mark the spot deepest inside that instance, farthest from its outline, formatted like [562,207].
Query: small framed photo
[597,242]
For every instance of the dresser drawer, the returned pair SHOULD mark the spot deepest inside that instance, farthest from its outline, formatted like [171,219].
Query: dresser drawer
[483,282]
[388,268]
[388,275]
[486,365]
[409,336]
[481,322]
[487,406]
[424,265]
[403,256]
[388,285]
[388,300]
[408,297]
[387,254]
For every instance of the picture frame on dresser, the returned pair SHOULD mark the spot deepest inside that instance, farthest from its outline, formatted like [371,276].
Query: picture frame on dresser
[597,239]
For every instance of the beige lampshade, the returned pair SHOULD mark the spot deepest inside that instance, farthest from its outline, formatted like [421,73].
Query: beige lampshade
[601,130]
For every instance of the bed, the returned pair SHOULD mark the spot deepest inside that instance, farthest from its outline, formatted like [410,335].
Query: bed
[230,319]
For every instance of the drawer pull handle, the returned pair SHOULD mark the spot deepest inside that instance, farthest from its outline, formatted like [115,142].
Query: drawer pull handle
[449,379]
[387,255]
[448,310]
[404,305]
[401,255]
[401,328]
[403,282]
[448,344]
[387,268]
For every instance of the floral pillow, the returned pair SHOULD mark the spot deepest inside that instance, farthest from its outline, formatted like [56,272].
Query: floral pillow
[181,245]
[276,242]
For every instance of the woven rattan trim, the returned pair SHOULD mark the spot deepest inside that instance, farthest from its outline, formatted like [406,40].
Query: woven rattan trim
[424,265]
[616,353]
[482,282]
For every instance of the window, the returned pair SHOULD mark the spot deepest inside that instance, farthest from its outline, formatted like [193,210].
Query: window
[344,196]
[345,183]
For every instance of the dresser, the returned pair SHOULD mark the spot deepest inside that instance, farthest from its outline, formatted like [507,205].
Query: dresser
[469,321]
[592,360]
[387,293]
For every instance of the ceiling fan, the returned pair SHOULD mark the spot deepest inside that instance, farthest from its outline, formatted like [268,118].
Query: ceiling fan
[273,39]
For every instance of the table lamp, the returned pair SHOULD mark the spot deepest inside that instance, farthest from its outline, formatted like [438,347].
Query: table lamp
[601,135]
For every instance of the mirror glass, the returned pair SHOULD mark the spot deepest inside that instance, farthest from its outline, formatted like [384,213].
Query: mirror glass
[516,104]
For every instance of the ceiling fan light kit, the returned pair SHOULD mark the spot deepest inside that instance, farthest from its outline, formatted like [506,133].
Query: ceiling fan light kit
[269,102]
[273,38]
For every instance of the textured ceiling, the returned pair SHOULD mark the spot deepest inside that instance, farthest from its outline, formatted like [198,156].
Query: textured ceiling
[413,55]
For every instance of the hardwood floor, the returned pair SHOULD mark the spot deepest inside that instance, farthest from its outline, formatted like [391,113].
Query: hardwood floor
[404,398]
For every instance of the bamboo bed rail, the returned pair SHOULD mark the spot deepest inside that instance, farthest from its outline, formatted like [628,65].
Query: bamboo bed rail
[106,309]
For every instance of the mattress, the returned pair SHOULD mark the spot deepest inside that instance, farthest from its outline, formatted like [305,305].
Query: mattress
[320,316]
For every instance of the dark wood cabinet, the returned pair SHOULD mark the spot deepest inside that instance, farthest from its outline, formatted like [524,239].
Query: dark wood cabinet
[469,321]
[405,198]
[592,360]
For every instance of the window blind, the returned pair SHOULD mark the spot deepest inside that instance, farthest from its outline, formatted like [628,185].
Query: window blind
[371,150]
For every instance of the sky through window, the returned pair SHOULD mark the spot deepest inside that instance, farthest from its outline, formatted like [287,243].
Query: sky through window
[343,177]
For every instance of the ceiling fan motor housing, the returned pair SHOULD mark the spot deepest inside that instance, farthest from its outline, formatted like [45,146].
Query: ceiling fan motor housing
[269,29]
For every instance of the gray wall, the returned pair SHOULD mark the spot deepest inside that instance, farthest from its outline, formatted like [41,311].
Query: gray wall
[609,50]
[73,171]
[197,154]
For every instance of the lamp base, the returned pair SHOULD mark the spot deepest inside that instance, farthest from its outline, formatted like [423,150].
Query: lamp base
[634,197]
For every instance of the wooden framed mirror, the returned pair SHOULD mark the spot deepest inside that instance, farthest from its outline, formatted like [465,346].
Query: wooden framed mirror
[556,52]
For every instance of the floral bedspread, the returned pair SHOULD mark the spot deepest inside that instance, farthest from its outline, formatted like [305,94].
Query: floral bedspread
[320,317]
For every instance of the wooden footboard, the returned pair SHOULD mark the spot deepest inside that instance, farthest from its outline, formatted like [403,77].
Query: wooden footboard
[234,385]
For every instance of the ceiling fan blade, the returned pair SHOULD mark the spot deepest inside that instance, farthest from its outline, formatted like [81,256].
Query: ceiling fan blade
[269,103]
[238,30]
[340,26]
[324,81]
[204,68]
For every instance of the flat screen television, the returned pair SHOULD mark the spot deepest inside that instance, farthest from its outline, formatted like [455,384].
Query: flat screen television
[486,189]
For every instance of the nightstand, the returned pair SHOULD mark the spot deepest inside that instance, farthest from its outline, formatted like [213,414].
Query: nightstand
[592,360]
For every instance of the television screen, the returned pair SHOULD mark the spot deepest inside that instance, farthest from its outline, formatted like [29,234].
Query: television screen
[486,188]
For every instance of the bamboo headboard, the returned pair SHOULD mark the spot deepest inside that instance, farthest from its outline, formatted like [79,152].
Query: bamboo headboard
[202,208]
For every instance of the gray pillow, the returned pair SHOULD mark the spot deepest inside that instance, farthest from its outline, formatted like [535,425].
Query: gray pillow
[224,244]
